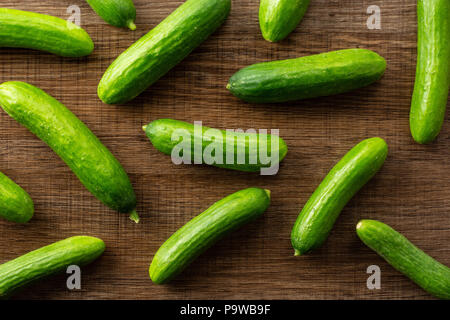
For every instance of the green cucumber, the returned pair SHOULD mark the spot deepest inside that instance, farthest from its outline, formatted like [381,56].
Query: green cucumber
[206,229]
[278,18]
[399,252]
[352,172]
[432,84]
[161,49]
[23,29]
[118,13]
[160,132]
[15,204]
[48,260]
[307,77]
[77,146]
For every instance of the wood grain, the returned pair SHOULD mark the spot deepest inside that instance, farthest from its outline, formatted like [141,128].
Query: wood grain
[410,193]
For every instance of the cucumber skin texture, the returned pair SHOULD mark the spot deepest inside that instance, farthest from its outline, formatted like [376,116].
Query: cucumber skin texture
[204,230]
[307,77]
[399,252]
[350,174]
[15,203]
[118,13]
[78,147]
[152,56]
[432,83]
[23,29]
[48,260]
[160,134]
[278,18]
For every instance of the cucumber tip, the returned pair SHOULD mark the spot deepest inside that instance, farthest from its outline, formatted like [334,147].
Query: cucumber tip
[134,216]
[131,25]
[297,253]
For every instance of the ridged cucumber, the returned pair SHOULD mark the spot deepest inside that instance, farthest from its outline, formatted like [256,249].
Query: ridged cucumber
[307,77]
[23,29]
[278,18]
[161,49]
[118,13]
[432,84]
[160,132]
[48,260]
[352,172]
[81,150]
[206,229]
[15,204]
[399,252]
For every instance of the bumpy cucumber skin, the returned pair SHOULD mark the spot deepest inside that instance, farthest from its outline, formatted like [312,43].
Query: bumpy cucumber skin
[352,172]
[431,275]
[15,203]
[78,147]
[278,18]
[152,56]
[118,13]
[432,84]
[48,260]
[23,29]
[160,134]
[203,231]
[307,77]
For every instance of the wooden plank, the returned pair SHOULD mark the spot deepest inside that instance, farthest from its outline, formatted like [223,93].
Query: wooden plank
[410,193]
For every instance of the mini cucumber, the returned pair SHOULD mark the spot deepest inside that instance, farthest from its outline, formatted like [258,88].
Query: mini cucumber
[206,229]
[15,204]
[161,49]
[307,77]
[432,84]
[118,13]
[399,252]
[48,260]
[278,18]
[77,146]
[23,29]
[160,132]
[352,172]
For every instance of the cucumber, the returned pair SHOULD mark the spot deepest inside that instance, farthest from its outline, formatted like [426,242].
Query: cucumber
[432,84]
[278,18]
[15,204]
[206,229]
[160,133]
[77,146]
[352,172]
[48,260]
[118,13]
[161,49]
[307,77]
[428,273]
[23,29]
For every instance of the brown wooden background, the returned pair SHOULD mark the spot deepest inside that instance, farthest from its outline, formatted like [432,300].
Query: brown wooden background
[411,192]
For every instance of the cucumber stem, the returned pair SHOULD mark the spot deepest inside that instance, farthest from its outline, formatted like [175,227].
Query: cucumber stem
[268,192]
[144,127]
[131,25]
[134,216]
[297,253]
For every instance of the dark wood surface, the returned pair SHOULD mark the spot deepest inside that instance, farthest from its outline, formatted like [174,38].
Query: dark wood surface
[411,192]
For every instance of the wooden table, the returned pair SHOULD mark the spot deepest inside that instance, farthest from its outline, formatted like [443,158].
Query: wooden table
[411,192]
